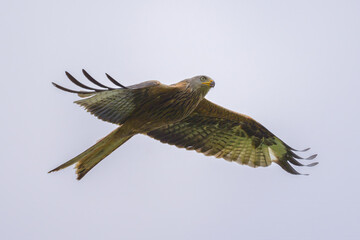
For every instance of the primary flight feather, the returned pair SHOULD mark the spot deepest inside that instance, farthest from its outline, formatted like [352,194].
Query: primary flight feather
[179,115]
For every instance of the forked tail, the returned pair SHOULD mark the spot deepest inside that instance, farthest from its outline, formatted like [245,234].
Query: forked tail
[92,156]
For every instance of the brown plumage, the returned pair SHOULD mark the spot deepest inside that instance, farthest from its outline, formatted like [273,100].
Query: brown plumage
[179,115]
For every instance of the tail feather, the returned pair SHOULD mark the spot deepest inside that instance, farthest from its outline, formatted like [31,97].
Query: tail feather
[92,156]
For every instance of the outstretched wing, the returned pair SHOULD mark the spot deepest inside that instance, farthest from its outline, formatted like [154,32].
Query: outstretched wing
[216,131]
[113,105]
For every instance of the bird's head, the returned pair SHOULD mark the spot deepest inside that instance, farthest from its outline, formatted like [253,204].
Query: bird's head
[201,83]
[207,81]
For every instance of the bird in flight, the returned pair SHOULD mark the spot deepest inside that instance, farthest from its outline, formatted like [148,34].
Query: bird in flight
[180,115]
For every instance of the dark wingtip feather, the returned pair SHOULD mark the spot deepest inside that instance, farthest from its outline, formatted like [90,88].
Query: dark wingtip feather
[285,164]
[297,163]
[76,82]
[311,157]
[296,150]
[91,79]
[294,155]
[114,81]
[304,150]
[312,164]
[287,167]
[54,84]
[68,90]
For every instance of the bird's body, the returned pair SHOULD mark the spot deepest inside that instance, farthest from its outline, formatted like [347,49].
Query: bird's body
[177,114]
[164,105]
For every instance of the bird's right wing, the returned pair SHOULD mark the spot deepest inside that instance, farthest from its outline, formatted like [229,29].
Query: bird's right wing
[110,104]
[216,131]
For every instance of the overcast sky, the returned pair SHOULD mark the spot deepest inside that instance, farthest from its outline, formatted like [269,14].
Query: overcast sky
[294,66]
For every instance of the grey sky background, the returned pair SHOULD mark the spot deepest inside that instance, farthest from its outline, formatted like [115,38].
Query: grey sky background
[294,66]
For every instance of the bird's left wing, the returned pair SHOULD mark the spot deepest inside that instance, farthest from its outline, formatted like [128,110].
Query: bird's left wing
[216,131]
[113,105]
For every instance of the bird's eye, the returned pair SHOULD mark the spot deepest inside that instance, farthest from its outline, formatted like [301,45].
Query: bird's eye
[203,78]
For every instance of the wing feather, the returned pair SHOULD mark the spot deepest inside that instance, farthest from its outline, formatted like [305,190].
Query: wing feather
[109,104]
[91,79]
[216,131]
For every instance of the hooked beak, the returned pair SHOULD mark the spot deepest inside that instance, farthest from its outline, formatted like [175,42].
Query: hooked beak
[210,83]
